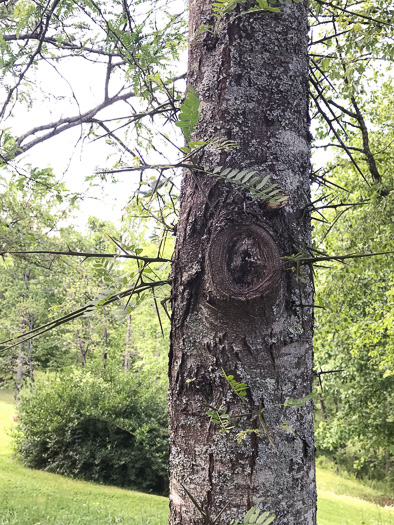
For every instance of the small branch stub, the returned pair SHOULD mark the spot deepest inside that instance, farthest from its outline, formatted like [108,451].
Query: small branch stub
[243,262]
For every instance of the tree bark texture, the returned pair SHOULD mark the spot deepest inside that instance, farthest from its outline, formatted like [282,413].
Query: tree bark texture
[236,303]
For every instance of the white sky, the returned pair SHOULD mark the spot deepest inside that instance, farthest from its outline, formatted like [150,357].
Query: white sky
[72,159]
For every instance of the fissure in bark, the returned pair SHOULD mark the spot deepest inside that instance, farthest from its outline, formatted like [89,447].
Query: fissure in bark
[235,305]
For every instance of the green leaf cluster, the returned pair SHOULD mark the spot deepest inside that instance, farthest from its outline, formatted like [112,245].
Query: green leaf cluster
[298,402]
[249,179]
[255,516]
[222,418]
[238,387]
[188,117]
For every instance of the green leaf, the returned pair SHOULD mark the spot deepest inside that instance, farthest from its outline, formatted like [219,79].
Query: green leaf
[189,116]
[298,402]
[202,29]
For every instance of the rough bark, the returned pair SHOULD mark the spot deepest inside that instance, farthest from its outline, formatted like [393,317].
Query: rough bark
[235,305]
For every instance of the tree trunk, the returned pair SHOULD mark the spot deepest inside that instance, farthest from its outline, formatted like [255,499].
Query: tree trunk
[27,326]
[82,351]
[323,406]
[105,351]
[29,359]
[19,373]
[389,462]
[236,303]
[127,355]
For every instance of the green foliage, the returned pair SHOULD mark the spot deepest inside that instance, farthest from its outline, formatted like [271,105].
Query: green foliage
[258,187]
[221,8]
[188,117]
[255,516]
[243,434]
[298,402]
[34,497]
[110,428]
[221,417]
[354,331]
[238,388]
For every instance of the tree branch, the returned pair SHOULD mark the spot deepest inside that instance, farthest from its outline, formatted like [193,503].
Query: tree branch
[31,59]
[67,123]
[87,255]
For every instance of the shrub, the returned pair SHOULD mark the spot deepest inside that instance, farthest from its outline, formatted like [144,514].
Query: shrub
[110,429]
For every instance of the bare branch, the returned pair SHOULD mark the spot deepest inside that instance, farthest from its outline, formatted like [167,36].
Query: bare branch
[367,151]
[62,45]
[323,114]
[86,255]
[309,260]
[78,313]
[352,13]
[67,123]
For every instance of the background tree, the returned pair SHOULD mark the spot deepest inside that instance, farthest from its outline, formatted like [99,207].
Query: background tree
[28,284]
[354,331]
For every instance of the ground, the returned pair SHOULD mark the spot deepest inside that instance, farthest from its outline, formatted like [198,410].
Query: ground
[30,497]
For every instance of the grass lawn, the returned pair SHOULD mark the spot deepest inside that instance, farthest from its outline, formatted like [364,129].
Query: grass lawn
[341,502]
[31,497]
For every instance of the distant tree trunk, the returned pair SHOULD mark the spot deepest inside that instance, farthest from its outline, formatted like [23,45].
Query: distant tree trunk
[236,304]
[29,360]
[105,353]
[24,353]
[322,406]
[127,355]
[389,462]
[83,350]
[19,373]
[389,456]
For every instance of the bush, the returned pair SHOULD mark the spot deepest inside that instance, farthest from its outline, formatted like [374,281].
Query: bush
[110,429]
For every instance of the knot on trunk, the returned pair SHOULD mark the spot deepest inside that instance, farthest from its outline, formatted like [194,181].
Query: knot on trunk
[243,262]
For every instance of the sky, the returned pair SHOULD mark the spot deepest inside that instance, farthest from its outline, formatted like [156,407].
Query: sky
[71,158]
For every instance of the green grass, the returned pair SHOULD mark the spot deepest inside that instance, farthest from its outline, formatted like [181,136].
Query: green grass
[31,497]
[348,502]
